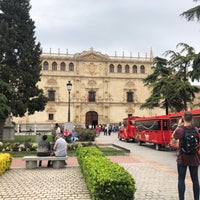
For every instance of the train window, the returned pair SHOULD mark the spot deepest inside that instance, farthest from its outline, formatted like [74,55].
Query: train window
[173,124]
[148,125]
[124,122]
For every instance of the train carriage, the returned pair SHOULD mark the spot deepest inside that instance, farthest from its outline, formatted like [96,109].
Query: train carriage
[127,131]
[154,130]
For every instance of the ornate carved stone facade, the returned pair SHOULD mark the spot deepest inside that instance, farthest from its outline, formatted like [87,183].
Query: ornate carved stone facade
[105,89]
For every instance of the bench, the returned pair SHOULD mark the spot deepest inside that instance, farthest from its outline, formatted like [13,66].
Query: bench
[31,161]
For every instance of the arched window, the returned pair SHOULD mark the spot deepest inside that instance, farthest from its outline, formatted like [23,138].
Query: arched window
[129,96]
[119,68]
[62,66]
[135,69]
[45,65]
[127,69]
[112,68]
[142,69]
[54,66]
[71,67]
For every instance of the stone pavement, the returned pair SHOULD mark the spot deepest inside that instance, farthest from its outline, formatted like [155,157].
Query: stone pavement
[153,181]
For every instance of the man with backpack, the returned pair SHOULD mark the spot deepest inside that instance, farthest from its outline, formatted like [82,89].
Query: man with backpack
[188,154]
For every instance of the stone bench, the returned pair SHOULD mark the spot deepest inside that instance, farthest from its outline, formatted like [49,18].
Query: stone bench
[31,161]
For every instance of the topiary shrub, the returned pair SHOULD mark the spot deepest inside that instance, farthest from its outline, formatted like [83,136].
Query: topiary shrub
[105,180]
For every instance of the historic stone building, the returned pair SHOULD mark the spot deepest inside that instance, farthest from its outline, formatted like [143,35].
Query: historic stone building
[105,89]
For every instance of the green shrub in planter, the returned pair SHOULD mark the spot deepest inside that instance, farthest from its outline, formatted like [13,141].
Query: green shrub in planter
[105,180]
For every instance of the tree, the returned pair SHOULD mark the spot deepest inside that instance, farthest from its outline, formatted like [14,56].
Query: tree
[162,82]
[20,64]
[193,13]
[180,63]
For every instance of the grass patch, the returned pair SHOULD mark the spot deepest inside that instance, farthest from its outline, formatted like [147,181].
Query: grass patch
[109,151]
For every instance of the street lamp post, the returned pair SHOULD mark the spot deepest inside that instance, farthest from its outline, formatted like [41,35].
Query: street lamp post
[69,87]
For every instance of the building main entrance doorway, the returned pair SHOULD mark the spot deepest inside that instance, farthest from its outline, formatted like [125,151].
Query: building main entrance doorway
[91,118]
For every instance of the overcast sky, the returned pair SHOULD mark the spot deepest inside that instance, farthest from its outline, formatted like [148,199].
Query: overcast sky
[114,25]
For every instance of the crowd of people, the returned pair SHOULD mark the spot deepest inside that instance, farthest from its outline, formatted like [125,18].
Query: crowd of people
[59,145]
[63,136]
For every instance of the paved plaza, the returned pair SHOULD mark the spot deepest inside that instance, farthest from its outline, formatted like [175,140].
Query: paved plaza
[153,180]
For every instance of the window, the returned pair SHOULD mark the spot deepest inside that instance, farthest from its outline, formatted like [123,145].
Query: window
[130,96]
[111,68]
[51,95]
[135,69]
[119,68]
[54,66]
[127,69]
[91,96]
[142,69]
[51,116]
[71,67]
[62,66]
[45,65]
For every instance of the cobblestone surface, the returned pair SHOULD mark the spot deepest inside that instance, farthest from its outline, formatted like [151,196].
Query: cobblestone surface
[154,183]
[43,183]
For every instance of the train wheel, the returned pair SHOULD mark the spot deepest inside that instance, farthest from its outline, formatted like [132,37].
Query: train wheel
[157,147]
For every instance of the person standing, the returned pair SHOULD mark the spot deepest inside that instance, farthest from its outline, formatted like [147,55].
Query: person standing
[73,136]
[66,135]
[58,130]
[185,160]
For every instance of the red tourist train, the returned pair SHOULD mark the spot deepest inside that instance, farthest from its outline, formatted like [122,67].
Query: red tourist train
[127,131]
[156,130]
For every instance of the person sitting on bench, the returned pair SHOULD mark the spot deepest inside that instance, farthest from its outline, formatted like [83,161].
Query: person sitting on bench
[44,149]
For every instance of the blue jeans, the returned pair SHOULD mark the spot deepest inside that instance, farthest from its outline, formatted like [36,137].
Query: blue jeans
[181,180]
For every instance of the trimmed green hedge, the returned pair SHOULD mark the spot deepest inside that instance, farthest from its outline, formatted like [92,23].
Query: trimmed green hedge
[105,180]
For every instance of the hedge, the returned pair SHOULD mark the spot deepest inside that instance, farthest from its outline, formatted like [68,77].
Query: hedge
[105,180]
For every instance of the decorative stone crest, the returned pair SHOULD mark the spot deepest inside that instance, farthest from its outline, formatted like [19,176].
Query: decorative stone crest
[91,55]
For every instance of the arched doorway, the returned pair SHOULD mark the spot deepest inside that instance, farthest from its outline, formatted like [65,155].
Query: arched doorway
[91,118]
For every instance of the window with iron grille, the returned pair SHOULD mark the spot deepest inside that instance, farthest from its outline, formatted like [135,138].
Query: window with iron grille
[51,116]
[51,95]
[91,96]
[130,96]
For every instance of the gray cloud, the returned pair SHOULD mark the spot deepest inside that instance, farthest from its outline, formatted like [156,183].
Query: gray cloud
[109,26]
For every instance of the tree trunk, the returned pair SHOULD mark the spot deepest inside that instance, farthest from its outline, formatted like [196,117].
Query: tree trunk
[2,123]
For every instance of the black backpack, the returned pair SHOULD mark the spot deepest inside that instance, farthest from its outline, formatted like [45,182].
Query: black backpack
[190,141]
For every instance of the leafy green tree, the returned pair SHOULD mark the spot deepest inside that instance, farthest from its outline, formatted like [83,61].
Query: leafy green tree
[195,73]
[180,63]
[20,64]
[193,13]
[162,82]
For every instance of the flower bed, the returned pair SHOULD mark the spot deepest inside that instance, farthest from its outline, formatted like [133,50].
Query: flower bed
[5,162]
[86,134]
[104,179]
